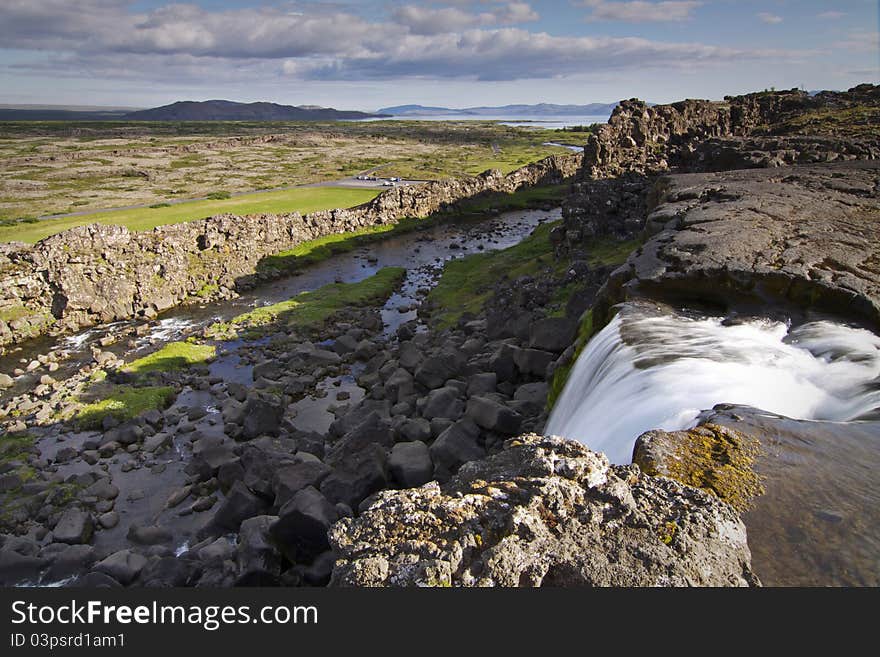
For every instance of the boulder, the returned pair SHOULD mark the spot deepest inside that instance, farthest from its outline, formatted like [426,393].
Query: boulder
[301,529]
[456,445]
[262,414]
[544,512]
[74,527]
[482,384]
[552,333]
[123,566]
[493,416]
[416,429]
[240,504]
[436,370]
[532,362]
[410,464]
[356,477]
[443,403]
[152,535]
[258,559]
[292,478]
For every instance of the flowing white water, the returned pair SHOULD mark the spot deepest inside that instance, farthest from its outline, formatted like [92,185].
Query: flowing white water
[648,371]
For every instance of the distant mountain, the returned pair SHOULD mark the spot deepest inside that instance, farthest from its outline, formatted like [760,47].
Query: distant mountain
[226,110]
[541,109]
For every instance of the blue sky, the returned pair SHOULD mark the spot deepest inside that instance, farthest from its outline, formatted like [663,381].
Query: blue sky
[368,54]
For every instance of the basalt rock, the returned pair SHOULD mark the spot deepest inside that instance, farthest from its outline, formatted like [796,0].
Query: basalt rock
[544,512]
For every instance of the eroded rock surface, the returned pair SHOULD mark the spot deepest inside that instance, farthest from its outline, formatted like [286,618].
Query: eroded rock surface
[808,235]
[544,512]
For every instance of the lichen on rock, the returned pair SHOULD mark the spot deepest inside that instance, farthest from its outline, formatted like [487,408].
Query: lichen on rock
[713,458]
[544,511]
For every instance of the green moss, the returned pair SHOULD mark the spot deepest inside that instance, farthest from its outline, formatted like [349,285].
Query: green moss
[560,376]
[122,402]
[466,283]
[16,446]
[310,310]
[173,356]
[208,290]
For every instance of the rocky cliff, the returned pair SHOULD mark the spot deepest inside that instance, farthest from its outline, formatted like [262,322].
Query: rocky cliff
[544,512]
[623,159]
[93,274]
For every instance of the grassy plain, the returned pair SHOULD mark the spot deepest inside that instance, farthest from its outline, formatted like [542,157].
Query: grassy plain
[51,168]
[300,199]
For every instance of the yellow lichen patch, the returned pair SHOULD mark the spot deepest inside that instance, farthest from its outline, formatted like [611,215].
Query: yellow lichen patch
[716,459]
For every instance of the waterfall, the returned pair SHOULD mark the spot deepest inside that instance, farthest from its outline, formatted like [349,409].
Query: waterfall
[646,370]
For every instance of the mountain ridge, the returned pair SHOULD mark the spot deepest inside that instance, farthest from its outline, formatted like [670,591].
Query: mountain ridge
[227,110]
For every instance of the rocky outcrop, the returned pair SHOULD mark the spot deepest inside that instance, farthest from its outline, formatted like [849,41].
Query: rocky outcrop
[639,138]
[94,274]
[544,512]
[624,158]
[808,236]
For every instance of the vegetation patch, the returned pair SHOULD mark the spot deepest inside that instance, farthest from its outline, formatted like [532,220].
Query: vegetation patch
[714,458]
[121,402]
[173,356]
[302,199]
[310,310]
[523,198]
[16,447]
[467,283]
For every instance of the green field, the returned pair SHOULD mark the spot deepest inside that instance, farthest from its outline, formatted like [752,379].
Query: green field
[301,199]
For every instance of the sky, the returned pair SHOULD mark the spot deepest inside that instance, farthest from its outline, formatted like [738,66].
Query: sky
[455,53]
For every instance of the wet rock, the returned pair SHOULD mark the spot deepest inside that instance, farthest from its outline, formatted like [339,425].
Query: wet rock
[153,535]
[16,568]
[74,527]
[568,519]
[69,561]
[262,415]
[493,416]
[123,566]
[301,529]
[410,464]
[102,489]
[157,442]
[108,520]
[168,572]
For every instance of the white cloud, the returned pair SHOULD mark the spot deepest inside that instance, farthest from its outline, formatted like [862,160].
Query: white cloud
[831,15]
[640,11]
[103,39]
[770,19]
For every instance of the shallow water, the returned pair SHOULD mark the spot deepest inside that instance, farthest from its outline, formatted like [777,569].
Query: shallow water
[422,253]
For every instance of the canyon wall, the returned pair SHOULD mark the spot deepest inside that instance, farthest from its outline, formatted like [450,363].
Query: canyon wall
[94,274]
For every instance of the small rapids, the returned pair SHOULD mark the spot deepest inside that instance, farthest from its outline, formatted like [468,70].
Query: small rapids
[646,370]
